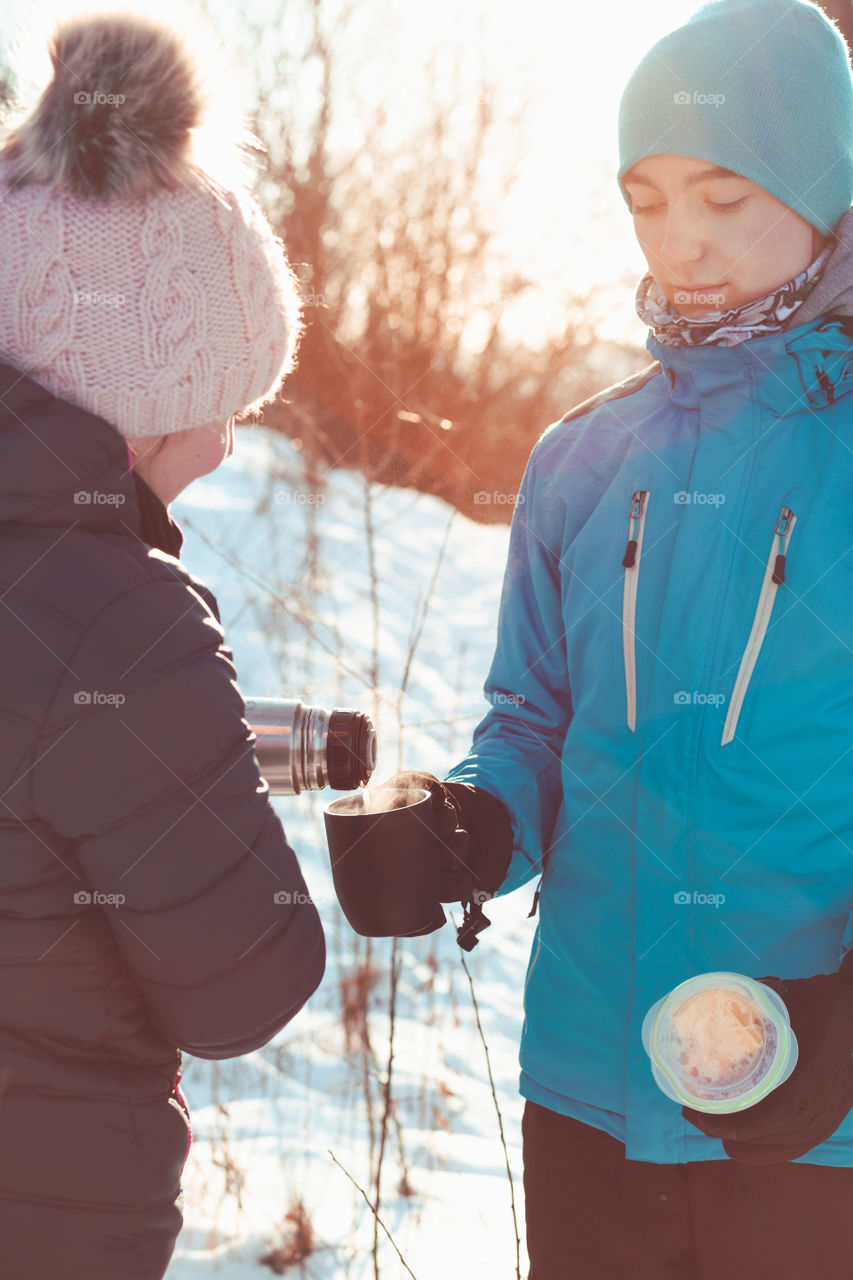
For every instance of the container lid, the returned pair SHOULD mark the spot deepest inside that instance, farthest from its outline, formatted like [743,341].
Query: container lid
[719,1042]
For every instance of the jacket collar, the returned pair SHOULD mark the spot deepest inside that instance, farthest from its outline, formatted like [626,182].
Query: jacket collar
[799,371]
[158,528]
[62,466]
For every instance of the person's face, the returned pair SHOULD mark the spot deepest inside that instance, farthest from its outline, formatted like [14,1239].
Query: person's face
[168,464]
[714,240]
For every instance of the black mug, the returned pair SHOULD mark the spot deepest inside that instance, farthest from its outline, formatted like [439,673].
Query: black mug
[385,859]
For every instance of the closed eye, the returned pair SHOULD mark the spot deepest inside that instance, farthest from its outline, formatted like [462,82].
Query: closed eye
[721,208]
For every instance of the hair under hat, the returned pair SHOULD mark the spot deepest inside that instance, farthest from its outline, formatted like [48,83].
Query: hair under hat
[135,284]
[761,87]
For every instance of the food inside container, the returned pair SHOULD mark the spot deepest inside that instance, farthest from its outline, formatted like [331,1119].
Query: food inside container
[717,1037]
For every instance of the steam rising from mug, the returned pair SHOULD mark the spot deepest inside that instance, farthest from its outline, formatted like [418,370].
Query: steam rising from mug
[382,800]
[301,748]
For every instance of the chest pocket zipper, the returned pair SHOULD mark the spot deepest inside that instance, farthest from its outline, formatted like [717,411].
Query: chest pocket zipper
[631,563]
[774,576]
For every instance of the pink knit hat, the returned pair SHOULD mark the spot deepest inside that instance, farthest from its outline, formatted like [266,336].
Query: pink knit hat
[134,284]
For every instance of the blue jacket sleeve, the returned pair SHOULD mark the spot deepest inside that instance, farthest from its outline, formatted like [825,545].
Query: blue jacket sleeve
[517,747]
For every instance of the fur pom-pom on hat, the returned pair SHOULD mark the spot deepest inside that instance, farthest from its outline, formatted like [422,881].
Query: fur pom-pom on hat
[141,281]
[116,118]
[134,104]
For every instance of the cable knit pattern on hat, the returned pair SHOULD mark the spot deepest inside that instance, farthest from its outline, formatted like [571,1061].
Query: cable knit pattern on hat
[44,297]
[157,315]
[160,310]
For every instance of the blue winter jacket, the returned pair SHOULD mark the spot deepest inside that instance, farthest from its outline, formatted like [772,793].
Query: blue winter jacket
[671,726]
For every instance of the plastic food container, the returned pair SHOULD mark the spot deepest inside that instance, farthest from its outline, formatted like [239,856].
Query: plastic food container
[719,1042]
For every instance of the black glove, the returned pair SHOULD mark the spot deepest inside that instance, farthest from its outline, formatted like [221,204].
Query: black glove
[812,1102]
[475,843]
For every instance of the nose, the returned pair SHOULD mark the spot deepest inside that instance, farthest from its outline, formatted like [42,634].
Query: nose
[681,243]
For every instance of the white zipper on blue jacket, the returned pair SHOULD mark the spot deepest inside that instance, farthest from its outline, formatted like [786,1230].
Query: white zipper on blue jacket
[774,576]
[631,562]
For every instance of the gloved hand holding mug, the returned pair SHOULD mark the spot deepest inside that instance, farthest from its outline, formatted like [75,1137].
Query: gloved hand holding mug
[475,845]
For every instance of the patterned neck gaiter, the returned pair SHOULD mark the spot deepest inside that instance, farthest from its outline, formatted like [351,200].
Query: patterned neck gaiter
[726,328]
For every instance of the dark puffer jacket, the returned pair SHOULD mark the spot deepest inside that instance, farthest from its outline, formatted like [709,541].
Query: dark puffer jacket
[140,853]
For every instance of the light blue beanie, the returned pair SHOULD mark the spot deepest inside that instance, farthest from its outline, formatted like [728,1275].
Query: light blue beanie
[761,87]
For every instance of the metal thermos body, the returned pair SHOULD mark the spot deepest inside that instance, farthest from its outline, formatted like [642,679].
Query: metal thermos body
[304,748]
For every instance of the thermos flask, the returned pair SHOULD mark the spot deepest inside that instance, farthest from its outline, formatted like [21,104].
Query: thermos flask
[303,748]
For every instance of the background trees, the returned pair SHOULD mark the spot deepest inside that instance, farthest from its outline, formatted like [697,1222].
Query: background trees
[406,369]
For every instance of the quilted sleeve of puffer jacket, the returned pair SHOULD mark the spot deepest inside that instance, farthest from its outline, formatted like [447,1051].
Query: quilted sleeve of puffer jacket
[155,782]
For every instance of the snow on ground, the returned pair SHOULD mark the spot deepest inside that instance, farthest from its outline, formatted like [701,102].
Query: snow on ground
[290,563]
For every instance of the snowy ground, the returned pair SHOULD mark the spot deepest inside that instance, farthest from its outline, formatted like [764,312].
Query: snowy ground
[291,567]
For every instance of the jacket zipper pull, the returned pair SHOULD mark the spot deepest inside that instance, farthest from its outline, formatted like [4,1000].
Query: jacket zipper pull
[636,511]
[532,911]
[825,385]
[781,530]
